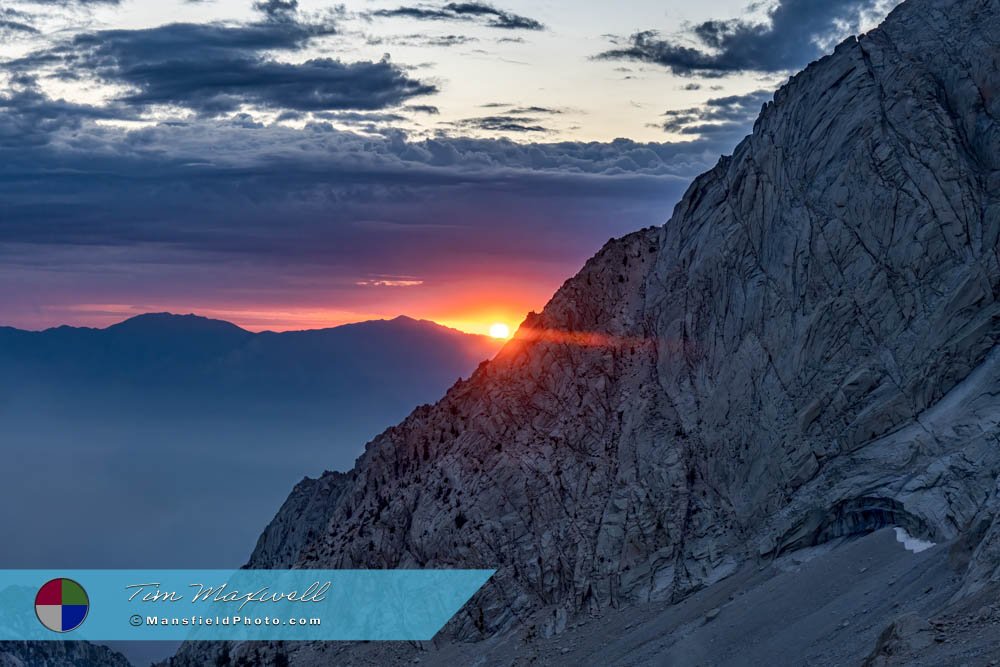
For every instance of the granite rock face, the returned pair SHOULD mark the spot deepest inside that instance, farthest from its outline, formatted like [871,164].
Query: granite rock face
[302,518]
[805,351]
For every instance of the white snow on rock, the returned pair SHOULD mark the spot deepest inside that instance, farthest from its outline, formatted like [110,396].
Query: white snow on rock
[911,543]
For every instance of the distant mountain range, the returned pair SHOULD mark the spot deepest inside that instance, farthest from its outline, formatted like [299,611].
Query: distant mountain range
[168,440]
[160,352]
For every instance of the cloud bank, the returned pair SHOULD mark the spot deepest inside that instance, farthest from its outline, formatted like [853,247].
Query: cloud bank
[248,211]
[213,69]
[794,33]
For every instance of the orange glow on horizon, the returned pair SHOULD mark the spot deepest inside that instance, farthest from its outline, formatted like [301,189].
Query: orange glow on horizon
[471,300]
[499,330]
[482,321]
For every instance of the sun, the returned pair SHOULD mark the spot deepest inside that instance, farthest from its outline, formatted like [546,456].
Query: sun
[499,330]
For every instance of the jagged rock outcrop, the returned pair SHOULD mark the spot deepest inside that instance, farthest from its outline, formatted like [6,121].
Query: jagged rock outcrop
[301,520]
[806,350]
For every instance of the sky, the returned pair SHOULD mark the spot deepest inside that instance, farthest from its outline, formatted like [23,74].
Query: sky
[288,164]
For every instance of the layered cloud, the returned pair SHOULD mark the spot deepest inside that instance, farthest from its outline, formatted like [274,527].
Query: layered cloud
[318,168]
[16,23]
[506,123]
[720,117]
[510,119]
[215,68]
[254,211]
[794,33]
[472,12]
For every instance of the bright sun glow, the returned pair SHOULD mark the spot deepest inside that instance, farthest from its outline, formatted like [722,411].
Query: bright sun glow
[499,330]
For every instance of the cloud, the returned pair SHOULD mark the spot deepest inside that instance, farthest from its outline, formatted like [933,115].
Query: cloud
[235,195]
[78,3]
[794,33]
[533,110]
[423,108]
[9,27]
[422,40]
[15,23]
[725,118]
[249,215]
[277,10]
[390,282]
[29,117]
[503,123]
[214,69]
[477,12]
[365,118]
[509,118]
[16,26]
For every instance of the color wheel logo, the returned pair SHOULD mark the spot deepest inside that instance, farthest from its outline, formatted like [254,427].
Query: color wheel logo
[62,605]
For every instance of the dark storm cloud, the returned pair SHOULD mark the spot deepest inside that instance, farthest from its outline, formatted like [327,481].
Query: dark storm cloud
[477,12]
[214,69]
[721,117]
[796,32]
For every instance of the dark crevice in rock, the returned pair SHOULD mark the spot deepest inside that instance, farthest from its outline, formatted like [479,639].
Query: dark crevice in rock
[852,518]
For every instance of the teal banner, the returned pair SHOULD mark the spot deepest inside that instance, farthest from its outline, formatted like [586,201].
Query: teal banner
[355,605]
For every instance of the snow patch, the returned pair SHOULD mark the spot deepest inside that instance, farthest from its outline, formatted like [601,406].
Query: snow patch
[911,543]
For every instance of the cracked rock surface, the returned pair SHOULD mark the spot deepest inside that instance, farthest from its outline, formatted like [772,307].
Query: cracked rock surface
[804,352]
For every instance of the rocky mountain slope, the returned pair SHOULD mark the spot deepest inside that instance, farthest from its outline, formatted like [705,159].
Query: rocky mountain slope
[805,352]
[59,654]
